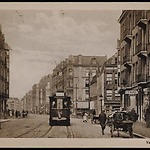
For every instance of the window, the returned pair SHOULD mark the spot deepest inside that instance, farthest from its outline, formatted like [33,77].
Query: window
[70,83]
[116,93]
[109,98]
[86,82]
[116,78]
[93,73]
[93,61]
[41,95]
[109,95]
[87,73]
[108,78]
[109,92]
[86,94]
[70,72]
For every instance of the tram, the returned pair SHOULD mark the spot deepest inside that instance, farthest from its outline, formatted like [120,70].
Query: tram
[59,113]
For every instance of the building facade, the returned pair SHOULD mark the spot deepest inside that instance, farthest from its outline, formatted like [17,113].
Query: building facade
[134,56]
[44,93]
[4,74]
[14,104]
[107,86]
[73,76]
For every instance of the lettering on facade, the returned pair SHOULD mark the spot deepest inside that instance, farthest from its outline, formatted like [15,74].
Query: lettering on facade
[131,92]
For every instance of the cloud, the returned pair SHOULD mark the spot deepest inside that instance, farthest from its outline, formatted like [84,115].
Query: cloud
[46,37]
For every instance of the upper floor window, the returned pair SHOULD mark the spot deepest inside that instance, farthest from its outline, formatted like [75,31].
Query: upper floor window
[86,82]
[87,72]
[70,72]
[93,61]
[109,93]
[93,73]
[109,78]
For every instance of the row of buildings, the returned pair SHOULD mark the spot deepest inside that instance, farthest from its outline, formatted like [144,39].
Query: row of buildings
[95,82]
[134,56]
[90,81]
[4,74]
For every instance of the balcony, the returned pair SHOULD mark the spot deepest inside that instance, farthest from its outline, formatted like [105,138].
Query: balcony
[142,23]
[127,62]
[141,79]
[141,19]
[127,35]
[141,50]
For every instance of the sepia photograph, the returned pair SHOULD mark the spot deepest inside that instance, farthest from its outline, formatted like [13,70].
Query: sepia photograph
[75,74]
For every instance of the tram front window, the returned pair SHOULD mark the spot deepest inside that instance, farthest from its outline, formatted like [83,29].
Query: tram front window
[53,104]
[65,105]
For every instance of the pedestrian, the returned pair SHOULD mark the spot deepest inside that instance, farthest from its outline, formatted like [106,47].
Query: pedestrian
[102,120]
[93,116]
[23,114]
[16,113]
[85,117]
[133,115]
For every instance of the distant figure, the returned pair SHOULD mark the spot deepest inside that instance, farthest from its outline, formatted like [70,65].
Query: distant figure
[133,115]
[16,113]
[93,115]
[85,117]
[23,114]
[102,120]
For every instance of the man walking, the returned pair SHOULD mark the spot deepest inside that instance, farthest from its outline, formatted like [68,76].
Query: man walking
[102,119]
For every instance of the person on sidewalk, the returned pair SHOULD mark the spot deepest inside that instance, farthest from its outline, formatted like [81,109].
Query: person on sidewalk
[85,117]
[102,120]
[133,115]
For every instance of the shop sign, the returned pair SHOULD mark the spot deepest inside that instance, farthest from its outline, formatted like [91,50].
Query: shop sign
[131,92]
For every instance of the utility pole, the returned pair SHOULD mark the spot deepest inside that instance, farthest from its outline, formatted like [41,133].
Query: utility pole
[89,91]
[101,98]
[76,100]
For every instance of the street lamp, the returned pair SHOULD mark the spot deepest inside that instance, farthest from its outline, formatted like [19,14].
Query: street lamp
[89,91]
[101,96]
[76,101]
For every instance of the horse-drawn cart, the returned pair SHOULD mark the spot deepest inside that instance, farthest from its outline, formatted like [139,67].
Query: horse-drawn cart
[120,121]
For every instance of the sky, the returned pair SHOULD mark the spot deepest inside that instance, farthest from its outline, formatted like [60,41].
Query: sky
[41,38]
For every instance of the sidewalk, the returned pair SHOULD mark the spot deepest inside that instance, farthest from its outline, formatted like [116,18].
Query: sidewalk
[140,128]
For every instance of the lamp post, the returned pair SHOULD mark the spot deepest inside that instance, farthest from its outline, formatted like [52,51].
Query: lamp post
[76,101]
[89,91]
[101,96]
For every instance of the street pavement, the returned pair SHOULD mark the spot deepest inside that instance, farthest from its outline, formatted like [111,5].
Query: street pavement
[140,128]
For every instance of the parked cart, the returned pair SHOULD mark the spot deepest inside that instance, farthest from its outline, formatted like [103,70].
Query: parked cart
[120,121]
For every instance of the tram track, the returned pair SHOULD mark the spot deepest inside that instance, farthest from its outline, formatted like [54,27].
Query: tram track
[20,135]
[70,133]
[43,135]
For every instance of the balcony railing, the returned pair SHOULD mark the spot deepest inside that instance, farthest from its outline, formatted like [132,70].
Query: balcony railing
[127,34]
[126,59]
[141,78]
[140,47]
[141,19]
